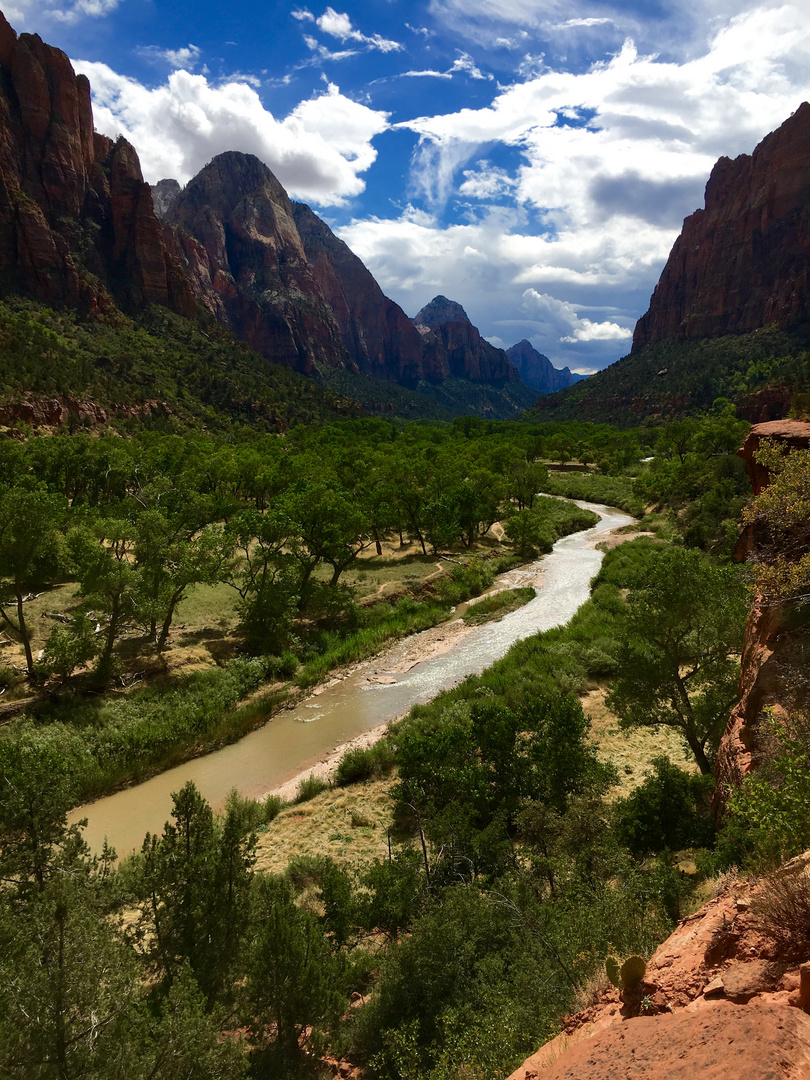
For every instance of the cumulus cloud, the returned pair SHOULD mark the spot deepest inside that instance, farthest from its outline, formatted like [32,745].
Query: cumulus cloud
[562,317]
[29,14]
[318,151]
[606,162]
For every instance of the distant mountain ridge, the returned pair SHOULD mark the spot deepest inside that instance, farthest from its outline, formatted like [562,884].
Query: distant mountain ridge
[79,228]
[537,371]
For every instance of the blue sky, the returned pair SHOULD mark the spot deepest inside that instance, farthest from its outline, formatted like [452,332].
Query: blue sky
[532,159]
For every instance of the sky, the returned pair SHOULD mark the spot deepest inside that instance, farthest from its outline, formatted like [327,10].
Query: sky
[531,159]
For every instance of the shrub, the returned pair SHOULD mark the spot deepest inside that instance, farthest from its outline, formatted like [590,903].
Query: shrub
[309,787]
[668,811]
[365,763]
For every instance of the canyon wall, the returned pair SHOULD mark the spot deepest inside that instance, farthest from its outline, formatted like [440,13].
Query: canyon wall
[743,261]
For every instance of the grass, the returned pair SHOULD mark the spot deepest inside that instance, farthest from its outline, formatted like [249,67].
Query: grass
[631,751]
[593,487]
[494,607]
[332,823]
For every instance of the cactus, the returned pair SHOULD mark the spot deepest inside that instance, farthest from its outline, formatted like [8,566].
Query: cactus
[629,975]
[632,972]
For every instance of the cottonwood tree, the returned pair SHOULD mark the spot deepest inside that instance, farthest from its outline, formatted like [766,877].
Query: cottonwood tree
[31,553]
[680,639]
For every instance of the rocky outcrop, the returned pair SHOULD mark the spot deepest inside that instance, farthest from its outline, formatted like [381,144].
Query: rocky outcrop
[767,644]
[744,260]
[379,337]
[453,347]
[726,996]
[73,412]
[248,266]
[77,226]
[164,192]
[792,434]
[537,371]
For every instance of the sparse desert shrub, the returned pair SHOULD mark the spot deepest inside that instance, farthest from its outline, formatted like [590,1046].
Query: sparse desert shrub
[782,905]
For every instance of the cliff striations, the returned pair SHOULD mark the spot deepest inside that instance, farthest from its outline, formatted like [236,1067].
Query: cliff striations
[77,226]
[744,261]
[453,347]
[379,337]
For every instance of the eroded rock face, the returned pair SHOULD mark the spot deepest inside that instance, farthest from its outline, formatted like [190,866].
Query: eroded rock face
[452,346]
[537,371]
[77,226]
[744,261]
[725,996]
[248,266]
[379,337]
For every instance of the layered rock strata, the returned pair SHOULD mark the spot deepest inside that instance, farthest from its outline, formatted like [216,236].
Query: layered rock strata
[743,261]
[77,226]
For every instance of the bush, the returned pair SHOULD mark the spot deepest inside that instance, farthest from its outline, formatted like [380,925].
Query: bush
[669,811]
[309,787]
[365,763]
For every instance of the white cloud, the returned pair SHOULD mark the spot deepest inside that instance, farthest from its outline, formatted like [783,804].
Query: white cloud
[605,163]
[428,73]
[186,57]
[33,14]
[573,24]
[339,25]
[318,151]
[563,318]
[466,63]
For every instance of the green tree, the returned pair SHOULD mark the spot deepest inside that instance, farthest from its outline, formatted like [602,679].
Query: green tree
[678,651]
[108,578]
[37,789]
[195,880]
[30,553]
[293,978]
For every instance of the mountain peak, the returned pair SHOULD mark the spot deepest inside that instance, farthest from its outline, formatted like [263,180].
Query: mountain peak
[439,311]
[537,371]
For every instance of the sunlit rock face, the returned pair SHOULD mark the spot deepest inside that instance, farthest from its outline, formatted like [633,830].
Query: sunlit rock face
[77,227]
[744,261]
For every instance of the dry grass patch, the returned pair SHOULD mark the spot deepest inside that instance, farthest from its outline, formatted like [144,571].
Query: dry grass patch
[348,824]
[631,751]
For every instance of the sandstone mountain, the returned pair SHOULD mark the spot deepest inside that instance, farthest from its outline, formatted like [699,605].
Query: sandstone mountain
[537,371]
[454,347]
[743,261]
[80,229]
[76,221]
[730,316]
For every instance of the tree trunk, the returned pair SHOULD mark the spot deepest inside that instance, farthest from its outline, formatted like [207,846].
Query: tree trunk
[26,640]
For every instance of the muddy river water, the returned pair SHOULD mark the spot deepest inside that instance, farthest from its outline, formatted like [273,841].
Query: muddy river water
[373,693]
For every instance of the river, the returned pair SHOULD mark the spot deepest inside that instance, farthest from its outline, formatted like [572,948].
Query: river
[373,693]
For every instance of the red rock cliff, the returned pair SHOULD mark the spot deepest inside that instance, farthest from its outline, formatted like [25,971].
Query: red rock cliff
[76,219]
[743,261]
